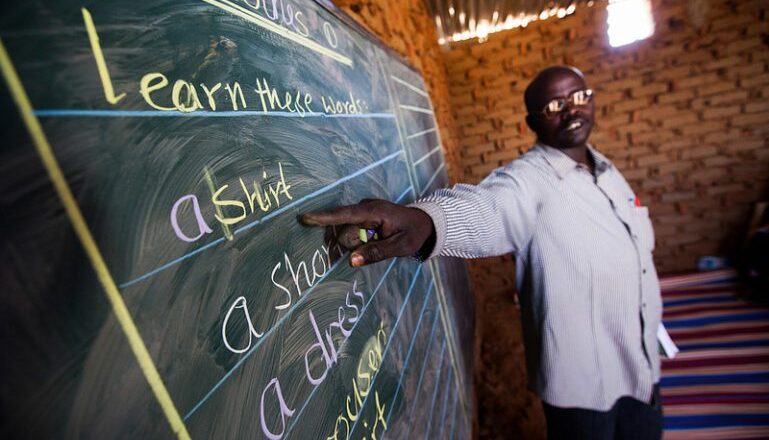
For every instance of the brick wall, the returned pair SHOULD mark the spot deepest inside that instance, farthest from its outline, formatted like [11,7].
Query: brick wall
[684,115]
[406,27]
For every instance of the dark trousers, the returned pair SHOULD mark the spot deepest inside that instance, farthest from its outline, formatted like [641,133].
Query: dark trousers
[628,419]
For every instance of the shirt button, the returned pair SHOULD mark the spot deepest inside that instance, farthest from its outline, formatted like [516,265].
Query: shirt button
[644,271]
[644,305]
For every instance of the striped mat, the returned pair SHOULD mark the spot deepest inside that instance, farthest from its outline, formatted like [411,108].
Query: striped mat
[717,387]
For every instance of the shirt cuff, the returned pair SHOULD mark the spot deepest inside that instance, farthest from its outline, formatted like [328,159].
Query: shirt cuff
[436,213]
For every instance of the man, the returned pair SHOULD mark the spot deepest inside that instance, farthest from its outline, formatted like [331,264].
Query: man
[589,292]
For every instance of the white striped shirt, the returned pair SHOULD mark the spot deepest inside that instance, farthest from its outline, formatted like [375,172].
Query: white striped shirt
[587,282]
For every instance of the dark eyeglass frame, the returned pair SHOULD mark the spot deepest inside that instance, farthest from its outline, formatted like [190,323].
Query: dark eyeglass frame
[579,98]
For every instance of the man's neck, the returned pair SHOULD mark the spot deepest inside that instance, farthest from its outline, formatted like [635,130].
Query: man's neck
[580,154]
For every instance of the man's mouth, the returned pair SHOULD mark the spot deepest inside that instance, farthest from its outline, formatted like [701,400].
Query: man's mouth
[575,125]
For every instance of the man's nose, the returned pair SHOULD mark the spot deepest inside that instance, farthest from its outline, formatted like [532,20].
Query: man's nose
[571,109]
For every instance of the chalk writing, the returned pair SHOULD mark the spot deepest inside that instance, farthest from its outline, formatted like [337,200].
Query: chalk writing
[368,365]
[203,227]
[184,94]
[285,411]
[350,106]
[287,16]
[323,348]
[239,303]
[101,64]
[261,195]
[219,212]
[184,97]
[301,276]
[330,34]
[327,349]
[282,12]
[298,103]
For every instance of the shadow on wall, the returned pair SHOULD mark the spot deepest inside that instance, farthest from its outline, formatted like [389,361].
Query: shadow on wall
[506,408]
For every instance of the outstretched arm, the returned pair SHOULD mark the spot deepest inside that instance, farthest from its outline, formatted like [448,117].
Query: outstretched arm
[492,218]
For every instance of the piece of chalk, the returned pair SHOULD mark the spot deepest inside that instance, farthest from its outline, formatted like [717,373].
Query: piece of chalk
[367,234]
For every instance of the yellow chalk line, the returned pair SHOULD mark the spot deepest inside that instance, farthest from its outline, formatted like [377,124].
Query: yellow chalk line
[212,188]
[280,30]
[84,234]
[101,65]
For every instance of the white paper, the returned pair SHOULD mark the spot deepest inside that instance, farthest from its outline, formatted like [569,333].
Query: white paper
[667,346]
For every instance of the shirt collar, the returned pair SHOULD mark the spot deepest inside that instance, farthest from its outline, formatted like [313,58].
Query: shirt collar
[563,164]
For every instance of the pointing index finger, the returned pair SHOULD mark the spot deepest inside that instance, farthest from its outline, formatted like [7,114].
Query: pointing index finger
[344,215]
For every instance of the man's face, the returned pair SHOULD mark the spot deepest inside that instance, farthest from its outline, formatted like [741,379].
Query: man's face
[570,127]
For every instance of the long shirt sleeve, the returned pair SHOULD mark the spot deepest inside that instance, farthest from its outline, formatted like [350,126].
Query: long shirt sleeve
[492,218]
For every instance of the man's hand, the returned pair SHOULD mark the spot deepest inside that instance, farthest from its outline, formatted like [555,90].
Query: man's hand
[402,231]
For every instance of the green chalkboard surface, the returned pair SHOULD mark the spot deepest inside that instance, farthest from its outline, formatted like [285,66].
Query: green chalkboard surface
[155,281]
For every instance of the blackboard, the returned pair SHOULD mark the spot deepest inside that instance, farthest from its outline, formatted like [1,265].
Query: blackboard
[155,281]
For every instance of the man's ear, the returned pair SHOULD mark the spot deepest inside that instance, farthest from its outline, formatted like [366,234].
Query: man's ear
[531,121]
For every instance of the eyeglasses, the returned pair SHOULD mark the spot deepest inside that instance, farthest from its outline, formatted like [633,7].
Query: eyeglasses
[579,98]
